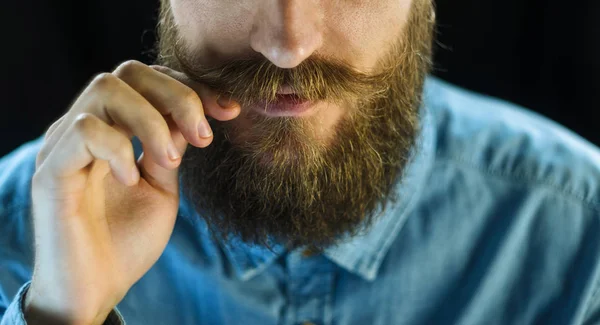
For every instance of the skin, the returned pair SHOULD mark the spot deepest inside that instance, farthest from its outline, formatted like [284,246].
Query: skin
[106,217]
[357,32]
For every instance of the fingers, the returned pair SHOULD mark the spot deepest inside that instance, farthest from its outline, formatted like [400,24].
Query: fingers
[170,96]
[117,104]
[53,127]
[51,137]
[158,176]
[136,100]
[87,139]
[222,109]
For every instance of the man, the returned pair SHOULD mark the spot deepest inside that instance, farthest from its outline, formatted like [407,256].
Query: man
[292,163]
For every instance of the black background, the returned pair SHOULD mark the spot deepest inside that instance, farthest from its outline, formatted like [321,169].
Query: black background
[544,55]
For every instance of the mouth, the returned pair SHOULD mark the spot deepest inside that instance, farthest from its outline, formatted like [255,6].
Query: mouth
[286,104]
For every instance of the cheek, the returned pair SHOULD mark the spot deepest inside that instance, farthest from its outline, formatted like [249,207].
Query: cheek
[366,29]
[213,26]
[190,20]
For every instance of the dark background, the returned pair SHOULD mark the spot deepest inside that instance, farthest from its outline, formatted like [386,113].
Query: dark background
[544,55]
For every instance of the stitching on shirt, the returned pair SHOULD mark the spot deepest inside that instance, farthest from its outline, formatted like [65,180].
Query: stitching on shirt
[520,177]
[594,206]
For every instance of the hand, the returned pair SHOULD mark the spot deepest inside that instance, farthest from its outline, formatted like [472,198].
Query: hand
[101,219]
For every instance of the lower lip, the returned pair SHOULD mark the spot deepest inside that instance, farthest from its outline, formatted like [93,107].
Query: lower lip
[285,105]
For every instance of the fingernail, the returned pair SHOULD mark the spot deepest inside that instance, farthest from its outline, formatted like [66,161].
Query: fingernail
[226,102]
[204,129]
[173,152]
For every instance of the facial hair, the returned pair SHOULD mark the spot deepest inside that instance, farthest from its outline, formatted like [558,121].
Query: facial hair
[275,181]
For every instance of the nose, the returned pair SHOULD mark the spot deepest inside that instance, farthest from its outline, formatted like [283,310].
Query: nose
[287,32]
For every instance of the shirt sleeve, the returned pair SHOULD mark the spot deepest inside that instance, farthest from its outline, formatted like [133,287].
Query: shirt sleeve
[14,313]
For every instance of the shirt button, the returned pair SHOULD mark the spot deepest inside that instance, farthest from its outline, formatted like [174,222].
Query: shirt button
[308,252]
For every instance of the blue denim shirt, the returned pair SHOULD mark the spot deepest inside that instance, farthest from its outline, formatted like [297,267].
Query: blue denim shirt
[499,223]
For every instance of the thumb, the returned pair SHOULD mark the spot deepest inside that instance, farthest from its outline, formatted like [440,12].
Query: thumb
[158,176]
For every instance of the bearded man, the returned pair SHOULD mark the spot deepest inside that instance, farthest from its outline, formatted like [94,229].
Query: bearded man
[291,162]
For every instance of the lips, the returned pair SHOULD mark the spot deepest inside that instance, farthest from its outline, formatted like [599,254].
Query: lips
[285,90]
[287,103]
[289,98]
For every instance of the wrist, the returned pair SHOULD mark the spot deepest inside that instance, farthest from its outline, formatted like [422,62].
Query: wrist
[43,309]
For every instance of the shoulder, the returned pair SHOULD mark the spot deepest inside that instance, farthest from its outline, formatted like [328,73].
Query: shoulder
[520,188]
[503,140]
[16,171]
[16,231]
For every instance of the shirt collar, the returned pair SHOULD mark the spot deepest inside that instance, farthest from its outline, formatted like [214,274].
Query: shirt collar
[362,254]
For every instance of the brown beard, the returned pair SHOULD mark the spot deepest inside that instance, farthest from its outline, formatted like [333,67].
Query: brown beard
[275,181]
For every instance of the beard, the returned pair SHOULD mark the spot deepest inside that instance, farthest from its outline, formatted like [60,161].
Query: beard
[273,180]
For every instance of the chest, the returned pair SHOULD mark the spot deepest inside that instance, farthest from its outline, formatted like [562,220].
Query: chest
[316,291]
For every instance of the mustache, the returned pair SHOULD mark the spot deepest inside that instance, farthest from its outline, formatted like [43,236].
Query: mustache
[257,80]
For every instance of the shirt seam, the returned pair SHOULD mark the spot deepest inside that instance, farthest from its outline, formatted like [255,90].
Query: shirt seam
[520,177]
[514,177]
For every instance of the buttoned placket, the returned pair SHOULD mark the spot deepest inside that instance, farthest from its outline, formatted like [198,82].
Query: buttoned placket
[309,289]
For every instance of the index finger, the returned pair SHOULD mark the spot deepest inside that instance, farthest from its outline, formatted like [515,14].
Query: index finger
[171,98]
[225,108]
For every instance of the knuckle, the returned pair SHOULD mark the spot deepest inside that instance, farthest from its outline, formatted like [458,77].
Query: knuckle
[128,69]
[104,81]
[159,68]
[84,123]
[47,134]
[156,125]
[189,99]
[41,155]
[52,128]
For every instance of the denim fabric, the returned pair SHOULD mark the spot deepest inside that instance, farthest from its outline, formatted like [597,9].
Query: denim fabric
[497,222]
